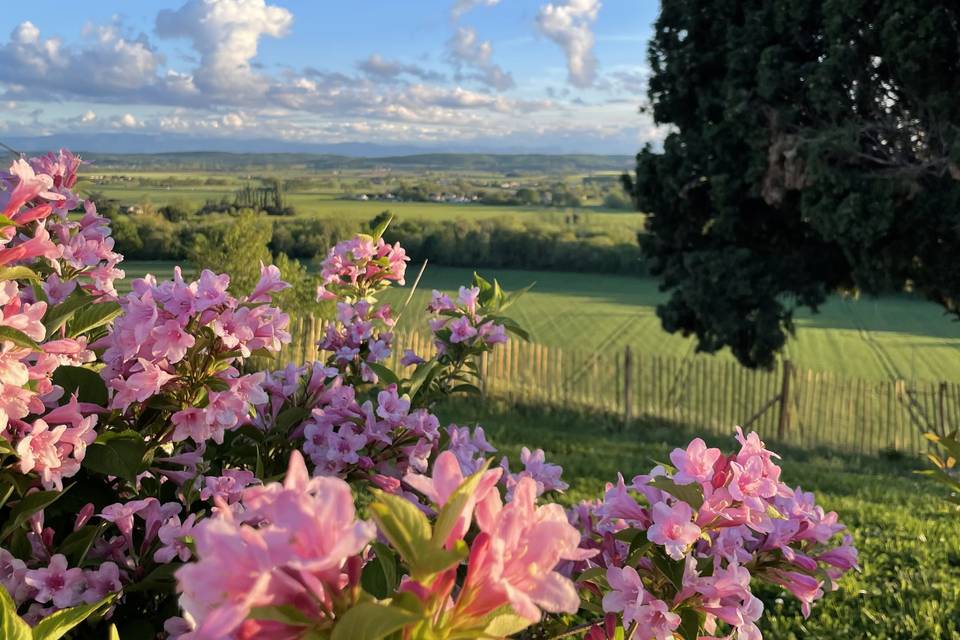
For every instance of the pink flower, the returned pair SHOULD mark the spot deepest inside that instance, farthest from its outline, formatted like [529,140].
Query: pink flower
[297,558]
[270,282]
[190,423]
[468,298]
[655,620]
[626,593]
[695,464]
[512,560]
[170,341]
[105,580]
[172,535]
[447,478]
[461,330]
[673,528]
[392,407]
[40,451]
[57,583]
[410,358]
[546,475]
[211,290]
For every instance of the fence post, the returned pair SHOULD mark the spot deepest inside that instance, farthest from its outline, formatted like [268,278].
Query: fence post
[943,408]
[627,385]
[784,423]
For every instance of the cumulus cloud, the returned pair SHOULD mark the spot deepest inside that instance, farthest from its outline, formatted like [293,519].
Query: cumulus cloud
[225,33]
[569,24]
[125,121]
[123,65]
[461,7]
[466,51]
[379,68]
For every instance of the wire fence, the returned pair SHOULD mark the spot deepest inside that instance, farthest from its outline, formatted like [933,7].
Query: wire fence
[801,407]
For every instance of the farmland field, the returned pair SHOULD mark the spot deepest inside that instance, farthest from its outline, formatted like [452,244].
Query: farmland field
[893,336]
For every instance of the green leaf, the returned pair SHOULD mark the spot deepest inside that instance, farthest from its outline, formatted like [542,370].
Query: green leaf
[691,493]
[287,614]
[378,232]
[120,456]
[28,506]
[691,622]
[421,375]
[76,545]
[505,625]
[6,449]
[91,317]
[670,568]
[160,579]
[12,626]
[114,634]
[18,273]
[86,383]
[58,315]
[384,373]
[467,388]
[405,526]
[291,416]
[452,510]
[6,222]
[380,577]
[372,621]
[57,624]
[431,561]
[18,338]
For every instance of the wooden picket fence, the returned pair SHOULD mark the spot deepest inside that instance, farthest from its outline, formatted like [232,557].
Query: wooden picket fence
[801,407]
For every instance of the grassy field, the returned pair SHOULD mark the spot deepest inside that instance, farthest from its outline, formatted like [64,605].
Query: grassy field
[909,587]
[875,339]
[329,202]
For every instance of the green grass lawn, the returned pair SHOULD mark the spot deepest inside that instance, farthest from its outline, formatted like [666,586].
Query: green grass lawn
[895,336]
[909,587]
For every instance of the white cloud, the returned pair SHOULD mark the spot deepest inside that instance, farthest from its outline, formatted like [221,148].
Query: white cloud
[466,50]
[461,7]
[569,24]
[225,33]
[126,121]
[87,117]
[108,63]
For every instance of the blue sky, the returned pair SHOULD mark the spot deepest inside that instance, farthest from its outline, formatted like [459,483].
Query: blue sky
[565,75]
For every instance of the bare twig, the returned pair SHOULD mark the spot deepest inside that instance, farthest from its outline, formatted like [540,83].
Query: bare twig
[11,149]
[413,290]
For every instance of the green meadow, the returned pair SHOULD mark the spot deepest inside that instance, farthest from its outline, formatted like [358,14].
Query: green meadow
[893,336]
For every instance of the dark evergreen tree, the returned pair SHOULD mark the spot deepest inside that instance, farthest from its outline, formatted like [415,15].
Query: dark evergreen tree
[813,146]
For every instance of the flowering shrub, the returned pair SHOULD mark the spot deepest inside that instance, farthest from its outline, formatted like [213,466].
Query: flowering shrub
[153,479]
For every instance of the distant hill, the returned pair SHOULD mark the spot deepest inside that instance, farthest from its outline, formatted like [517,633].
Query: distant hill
[144,151]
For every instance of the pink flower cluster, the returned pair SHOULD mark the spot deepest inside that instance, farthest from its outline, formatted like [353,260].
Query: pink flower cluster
[386,437]
[293,545]
[55,585]
[361,335]
[361,266]
[724,520]
[34,202]
[459,325]
[175,339]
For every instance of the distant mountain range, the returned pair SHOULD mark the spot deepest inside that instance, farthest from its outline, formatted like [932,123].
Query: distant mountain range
[124,150]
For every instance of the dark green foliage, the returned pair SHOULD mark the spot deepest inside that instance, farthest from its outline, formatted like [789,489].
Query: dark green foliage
[814,147]
[496,244]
